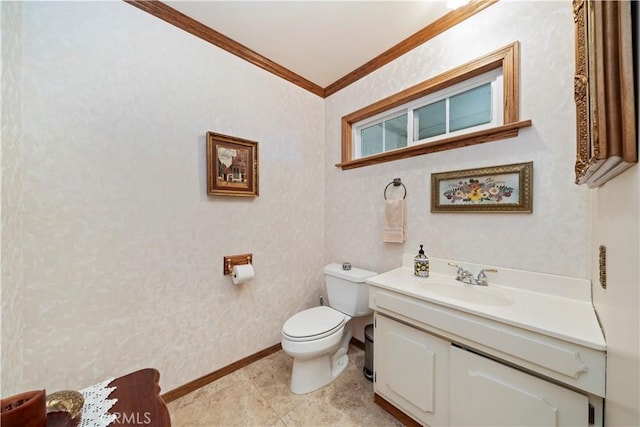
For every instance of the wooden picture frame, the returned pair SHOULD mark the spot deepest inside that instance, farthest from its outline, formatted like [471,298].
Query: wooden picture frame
[604,90]
[232,166]
[506,188]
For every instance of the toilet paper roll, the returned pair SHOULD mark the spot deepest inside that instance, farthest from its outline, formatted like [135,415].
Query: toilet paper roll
[242,274]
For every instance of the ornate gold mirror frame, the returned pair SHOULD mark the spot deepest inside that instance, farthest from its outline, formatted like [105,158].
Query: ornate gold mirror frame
[604,90]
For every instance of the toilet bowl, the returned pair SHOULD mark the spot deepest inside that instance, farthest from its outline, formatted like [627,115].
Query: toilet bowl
[318,338]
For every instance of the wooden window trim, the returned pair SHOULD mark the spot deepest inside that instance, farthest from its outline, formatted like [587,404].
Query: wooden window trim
[507,57]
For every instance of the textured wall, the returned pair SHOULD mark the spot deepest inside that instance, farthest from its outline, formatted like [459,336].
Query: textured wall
[553,238]
[11,276]
[616,224]
[123,248]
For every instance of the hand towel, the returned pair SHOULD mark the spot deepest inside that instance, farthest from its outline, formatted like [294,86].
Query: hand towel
[394,228]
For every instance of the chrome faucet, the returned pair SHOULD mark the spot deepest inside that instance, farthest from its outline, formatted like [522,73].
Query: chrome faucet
[465,276]
[481,279]
[462,275]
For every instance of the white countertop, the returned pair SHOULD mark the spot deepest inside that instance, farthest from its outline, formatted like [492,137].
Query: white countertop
[560,307]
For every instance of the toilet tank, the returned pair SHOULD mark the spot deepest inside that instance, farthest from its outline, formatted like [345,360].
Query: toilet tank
[347,290]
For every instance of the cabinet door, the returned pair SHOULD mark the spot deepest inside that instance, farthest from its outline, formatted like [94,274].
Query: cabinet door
[412,371]
[487,393]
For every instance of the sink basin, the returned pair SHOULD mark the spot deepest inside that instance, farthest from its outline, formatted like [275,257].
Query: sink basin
[468,293]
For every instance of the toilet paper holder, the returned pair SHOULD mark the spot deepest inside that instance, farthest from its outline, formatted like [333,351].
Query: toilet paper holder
[231,260]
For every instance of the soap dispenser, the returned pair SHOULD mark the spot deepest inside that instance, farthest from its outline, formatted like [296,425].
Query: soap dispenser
[421,264]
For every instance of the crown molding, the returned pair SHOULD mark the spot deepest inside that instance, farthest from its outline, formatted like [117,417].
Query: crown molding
[438,26]
[190,25]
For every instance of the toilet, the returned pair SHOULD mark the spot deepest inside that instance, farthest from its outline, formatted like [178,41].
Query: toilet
[318,338]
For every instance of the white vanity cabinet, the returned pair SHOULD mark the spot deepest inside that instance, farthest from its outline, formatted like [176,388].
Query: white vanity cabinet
[487,393]
[448,355]
[412,370]
[440,384]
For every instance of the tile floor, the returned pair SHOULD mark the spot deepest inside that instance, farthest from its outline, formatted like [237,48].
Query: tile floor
[259,395]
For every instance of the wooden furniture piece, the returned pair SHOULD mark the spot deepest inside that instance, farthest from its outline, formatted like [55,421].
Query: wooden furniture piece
[24,410]
[139,402]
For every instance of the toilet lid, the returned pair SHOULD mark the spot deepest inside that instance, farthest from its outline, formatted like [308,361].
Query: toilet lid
[314,323]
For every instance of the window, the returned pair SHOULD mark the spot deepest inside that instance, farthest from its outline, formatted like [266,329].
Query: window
[469,106]
[387,134]
[474,103]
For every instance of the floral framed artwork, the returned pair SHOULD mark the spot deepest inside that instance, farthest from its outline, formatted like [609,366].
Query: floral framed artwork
[506,188]
[232,166]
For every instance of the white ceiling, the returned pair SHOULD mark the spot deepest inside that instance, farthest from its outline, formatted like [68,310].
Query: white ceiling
[320,40]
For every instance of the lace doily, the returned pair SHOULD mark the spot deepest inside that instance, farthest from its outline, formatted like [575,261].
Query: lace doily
[95,411]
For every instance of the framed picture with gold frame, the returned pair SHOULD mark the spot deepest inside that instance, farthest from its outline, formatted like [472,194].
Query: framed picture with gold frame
[232,166]
[506,188]
[604,90]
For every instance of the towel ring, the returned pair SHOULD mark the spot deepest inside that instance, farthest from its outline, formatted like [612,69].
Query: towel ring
[396,183]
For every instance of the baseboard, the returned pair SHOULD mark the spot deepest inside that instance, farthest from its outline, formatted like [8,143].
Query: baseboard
[357,343]
[400,416]
[191,386]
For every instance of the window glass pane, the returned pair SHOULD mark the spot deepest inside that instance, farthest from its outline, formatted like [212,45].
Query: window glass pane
[395,133]
[470,108]
[371,140]
[429,120]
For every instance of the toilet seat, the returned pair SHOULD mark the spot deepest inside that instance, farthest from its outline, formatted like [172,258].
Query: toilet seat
[313,324]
